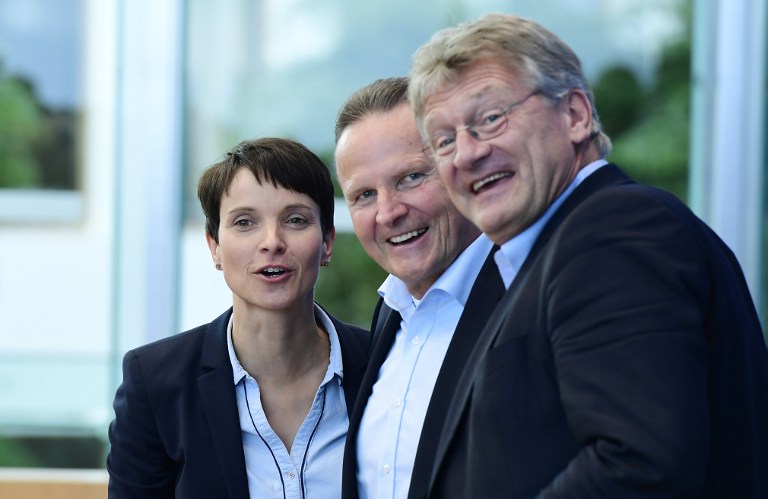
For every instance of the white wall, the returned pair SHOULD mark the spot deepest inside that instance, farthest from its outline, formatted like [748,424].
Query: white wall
[56,263]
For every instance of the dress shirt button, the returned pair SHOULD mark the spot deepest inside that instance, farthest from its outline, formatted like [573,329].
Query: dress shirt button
[386,468]
[291,475]
[397,403]
[416,340]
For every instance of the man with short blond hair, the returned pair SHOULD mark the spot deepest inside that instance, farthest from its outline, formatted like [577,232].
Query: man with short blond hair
[441,281]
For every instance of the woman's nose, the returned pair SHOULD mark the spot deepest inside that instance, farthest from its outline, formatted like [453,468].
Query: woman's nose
[272,238]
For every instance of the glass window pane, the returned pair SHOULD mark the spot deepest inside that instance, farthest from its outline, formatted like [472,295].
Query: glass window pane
[40,44]
[54,375]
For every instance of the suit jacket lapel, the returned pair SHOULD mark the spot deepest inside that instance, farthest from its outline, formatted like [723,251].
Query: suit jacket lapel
[382,344]
[217,392]
[486,292]
[606,176]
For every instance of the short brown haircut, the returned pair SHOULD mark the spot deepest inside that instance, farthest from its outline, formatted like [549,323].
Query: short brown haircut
[283,162]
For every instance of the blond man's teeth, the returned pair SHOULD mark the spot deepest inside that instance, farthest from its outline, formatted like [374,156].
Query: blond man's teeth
[487,180]
[408,235]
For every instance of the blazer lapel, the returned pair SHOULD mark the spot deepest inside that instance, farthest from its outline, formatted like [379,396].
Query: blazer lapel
[354,358]
[606,176]
[217,392]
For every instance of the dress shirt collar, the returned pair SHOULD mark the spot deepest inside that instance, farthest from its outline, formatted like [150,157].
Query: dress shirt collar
[513,253]
[457,280]
[334,366]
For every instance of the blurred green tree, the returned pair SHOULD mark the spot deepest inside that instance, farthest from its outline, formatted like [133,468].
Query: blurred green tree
[650,129]
[20,128]
[348,287]
[13,453]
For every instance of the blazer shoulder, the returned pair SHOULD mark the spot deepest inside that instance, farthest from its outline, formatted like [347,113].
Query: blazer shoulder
[182,349]
[355,352]
[172,348]
[354,339]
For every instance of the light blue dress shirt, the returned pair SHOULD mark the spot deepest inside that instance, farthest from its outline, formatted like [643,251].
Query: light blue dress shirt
[313,467]
[394,415]
[513,253]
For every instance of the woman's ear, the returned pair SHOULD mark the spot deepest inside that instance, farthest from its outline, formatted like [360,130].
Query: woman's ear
[213,246]
[328,240]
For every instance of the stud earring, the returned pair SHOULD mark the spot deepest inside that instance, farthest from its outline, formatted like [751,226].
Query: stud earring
[218,266]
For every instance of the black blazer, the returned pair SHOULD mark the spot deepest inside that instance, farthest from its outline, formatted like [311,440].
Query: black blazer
[176,432]
[485,294]
[625,360]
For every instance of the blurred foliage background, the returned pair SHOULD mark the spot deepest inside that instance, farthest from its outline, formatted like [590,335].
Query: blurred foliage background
[20,129]
[347,288]
[38,145]
[648,123]
[649,127]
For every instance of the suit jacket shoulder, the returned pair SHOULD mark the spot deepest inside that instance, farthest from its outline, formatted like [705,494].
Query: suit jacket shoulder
[626,301]
[486,292]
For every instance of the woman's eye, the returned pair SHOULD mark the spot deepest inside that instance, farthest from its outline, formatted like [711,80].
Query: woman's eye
[243,222]
[297,221]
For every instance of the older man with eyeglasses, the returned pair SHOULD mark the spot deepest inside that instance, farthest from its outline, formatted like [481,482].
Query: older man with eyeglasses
[626,358]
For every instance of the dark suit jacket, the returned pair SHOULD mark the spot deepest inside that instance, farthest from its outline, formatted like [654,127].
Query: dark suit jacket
[177,431]
[625,360]
[485,294]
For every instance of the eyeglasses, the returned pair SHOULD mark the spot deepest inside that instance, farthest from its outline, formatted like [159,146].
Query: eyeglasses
[492,124]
